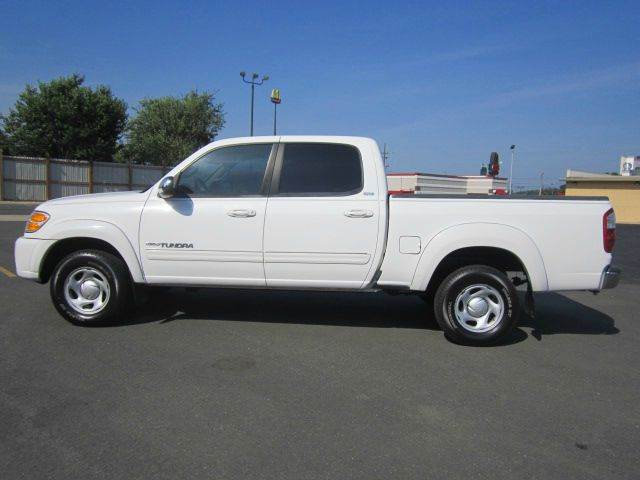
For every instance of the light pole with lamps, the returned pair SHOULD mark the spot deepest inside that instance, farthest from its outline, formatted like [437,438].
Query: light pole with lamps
[513,155]
[253,82]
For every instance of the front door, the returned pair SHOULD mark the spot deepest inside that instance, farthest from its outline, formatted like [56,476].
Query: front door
[321,228]
[211,232]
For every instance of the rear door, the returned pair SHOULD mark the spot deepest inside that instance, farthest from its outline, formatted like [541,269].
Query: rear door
[321,228]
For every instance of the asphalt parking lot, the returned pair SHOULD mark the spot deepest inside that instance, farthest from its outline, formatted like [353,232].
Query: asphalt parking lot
[225,384]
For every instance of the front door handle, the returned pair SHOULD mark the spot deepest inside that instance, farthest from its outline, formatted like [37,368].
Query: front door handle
[241,213]
[359,213]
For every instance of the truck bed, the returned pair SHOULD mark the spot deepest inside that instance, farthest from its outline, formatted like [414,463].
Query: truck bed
[558,238]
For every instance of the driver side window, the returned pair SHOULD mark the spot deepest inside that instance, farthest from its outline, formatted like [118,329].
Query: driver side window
[235,171]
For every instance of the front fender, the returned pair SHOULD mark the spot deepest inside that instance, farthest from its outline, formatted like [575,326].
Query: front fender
[481,235]
[100,230]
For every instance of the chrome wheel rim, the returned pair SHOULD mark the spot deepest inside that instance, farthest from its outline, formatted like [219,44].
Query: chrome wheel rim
[479,308]
[86,290]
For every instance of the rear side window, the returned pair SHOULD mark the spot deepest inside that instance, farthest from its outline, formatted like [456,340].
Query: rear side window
[226,172]
[320,169]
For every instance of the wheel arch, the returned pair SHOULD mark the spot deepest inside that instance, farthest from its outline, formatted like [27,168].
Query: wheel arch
[496,245]
[89,235]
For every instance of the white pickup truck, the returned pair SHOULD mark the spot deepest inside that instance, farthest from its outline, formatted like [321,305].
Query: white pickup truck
[313,212]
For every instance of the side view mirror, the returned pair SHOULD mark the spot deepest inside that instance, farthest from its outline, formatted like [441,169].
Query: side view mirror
[167,188]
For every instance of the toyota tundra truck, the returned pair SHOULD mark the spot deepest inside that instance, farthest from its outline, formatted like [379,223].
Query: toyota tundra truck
[313,213]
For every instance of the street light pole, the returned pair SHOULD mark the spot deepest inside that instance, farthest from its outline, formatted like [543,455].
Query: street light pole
[385,156]
[253,94]
[253,82]
[513,155]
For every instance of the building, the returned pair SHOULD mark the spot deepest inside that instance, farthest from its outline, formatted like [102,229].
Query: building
[486,184]
[623,191]
[629,165]
[417,182]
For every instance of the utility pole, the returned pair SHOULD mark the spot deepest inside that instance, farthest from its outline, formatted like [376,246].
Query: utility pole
[275,99]
[541,182]
[253,82]
[513,156]
[385,156]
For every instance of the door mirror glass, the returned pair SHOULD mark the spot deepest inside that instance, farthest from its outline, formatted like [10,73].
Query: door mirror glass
[166,188]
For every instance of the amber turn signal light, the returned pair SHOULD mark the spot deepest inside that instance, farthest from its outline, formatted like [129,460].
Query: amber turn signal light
[36,221]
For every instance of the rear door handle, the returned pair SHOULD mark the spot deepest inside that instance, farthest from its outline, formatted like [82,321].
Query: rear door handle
[359,213]
[241,213]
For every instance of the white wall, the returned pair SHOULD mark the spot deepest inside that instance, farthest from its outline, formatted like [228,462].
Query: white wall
[433,184]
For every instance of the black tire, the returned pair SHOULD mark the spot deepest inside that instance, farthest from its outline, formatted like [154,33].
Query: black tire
[488,283]
[110,278]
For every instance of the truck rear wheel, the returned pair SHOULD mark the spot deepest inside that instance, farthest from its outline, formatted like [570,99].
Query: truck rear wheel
[91,286]
[476,305]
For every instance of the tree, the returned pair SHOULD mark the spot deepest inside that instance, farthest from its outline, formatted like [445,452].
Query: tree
[3,141]
[168,129]
[65,119]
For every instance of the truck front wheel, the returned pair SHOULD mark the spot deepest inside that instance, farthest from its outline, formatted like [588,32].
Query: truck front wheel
[90,286]
[476,305]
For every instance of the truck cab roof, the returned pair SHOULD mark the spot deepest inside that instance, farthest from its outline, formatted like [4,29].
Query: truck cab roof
[294,138]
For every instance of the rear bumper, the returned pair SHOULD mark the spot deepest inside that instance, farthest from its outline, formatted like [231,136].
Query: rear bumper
[610,277]
[28,253]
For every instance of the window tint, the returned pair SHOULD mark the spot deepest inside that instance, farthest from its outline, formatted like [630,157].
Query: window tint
[226,172]
[320,168]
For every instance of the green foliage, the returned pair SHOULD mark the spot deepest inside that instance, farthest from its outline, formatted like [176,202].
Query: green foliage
[3,141]
[64,119]
[168,129]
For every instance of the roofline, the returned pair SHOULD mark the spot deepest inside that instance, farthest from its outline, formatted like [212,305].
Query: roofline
[605,178]
[413,174]
[439,175]
[285,138]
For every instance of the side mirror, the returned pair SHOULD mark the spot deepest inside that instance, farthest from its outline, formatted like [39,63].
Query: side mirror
[167,188]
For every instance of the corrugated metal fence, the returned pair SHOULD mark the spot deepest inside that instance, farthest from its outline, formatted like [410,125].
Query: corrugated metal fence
[37,179]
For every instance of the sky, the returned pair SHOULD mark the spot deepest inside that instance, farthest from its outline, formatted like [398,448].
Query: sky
[443,84]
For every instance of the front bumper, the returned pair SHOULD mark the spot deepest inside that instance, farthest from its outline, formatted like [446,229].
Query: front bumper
[28,253]
[610,277]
